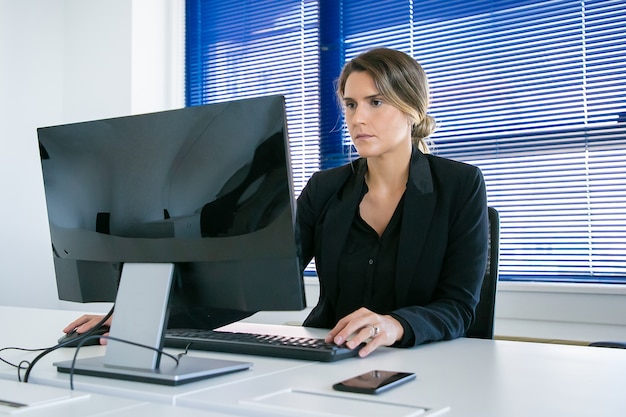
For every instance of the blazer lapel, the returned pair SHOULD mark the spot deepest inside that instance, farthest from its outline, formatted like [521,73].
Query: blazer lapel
[419,205]
[337,225]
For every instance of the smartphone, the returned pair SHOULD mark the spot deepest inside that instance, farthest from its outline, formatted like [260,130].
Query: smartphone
[374,382]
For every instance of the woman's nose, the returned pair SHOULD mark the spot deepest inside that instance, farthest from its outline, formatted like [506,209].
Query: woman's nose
[359,115]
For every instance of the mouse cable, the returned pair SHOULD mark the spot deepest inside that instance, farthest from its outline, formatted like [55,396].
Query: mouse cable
[23,364]
[55,347]
[14,365]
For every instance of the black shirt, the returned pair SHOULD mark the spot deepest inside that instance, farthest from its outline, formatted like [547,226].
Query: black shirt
[367,267]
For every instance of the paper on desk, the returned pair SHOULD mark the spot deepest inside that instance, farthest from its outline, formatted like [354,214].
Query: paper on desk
[16,397]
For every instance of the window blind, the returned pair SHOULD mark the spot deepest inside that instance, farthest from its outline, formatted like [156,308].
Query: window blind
[534,93]
[242,49]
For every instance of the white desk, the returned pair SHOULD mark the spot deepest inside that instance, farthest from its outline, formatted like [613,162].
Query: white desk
[35,328]
[482,378]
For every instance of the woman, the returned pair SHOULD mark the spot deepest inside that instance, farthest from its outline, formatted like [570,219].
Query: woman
[399,236]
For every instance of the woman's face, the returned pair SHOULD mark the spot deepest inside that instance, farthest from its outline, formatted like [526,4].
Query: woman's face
[376,127]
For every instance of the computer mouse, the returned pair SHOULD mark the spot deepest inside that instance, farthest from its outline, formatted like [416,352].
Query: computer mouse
[73,338]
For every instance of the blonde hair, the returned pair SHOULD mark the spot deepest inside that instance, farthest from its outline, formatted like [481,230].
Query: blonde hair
[400,80]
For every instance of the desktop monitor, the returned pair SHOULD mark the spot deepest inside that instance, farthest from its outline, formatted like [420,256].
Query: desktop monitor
[205,189]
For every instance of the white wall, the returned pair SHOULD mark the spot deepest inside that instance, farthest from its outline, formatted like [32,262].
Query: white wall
[69,60]
[560,311]
[64,61]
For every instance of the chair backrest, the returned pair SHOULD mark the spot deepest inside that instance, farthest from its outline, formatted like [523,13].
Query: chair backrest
[482,327]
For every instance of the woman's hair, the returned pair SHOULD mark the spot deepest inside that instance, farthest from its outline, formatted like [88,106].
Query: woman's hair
[401,81]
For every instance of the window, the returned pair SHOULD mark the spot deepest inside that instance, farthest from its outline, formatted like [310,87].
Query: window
[242,49]
[533,92]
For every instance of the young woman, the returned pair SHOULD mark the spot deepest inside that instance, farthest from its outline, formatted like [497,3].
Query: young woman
[399,236]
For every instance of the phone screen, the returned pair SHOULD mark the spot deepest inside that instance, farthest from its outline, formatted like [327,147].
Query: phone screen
[374,382]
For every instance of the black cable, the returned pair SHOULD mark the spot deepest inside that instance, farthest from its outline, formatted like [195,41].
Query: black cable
[19,369]
[18,348]
[53,348]
[24,364]
[80,344]
[88,335]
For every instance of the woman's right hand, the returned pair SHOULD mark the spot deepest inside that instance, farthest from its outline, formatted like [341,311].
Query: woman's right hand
[85,323]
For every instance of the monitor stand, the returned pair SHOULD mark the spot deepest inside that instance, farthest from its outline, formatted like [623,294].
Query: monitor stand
[140,318]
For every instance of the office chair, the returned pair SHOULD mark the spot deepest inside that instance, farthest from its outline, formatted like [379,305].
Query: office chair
[482,327]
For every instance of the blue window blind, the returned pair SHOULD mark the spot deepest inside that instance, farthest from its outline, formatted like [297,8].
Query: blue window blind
[242,49]
[532,92]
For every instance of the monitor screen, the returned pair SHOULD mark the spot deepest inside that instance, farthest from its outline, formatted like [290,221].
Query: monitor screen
[206,188]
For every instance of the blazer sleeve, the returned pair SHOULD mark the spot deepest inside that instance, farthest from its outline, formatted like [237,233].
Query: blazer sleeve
[318,195]
[312,204]
[305,219]
[458,270]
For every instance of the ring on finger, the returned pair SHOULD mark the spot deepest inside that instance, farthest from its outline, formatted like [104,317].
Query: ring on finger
[374,330]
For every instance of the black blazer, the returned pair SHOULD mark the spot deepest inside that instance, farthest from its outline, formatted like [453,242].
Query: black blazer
[442,253]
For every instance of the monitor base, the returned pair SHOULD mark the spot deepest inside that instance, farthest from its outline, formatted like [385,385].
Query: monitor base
[189,369]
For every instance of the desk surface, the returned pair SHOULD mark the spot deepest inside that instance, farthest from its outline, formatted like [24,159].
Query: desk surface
[34,400]
[35,328]
[473,377]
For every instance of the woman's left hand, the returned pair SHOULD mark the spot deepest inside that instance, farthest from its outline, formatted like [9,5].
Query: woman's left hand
[366,326]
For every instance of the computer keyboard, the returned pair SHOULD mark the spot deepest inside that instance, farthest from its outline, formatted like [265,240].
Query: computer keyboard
[258,344]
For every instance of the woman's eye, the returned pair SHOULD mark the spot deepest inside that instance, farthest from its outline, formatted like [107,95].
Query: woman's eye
[377,103]
[350,105]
